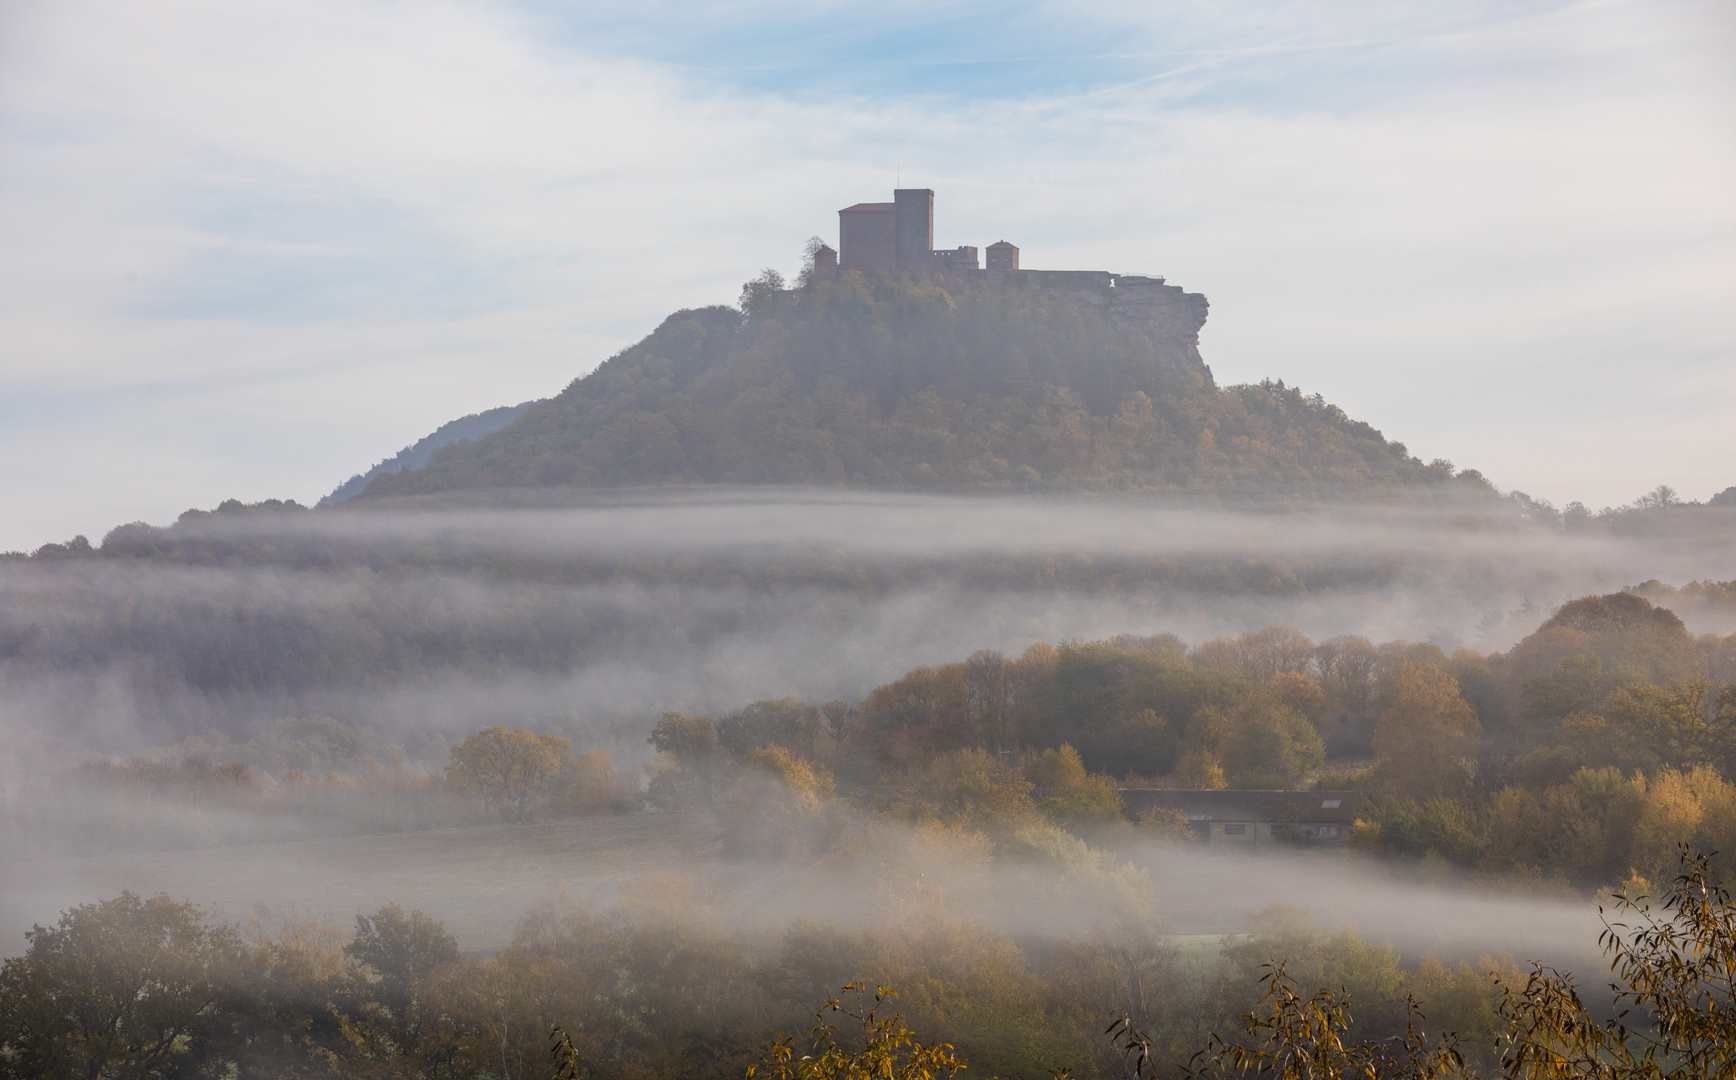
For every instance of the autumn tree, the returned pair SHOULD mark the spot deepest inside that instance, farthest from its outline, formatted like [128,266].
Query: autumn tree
[1067,792]
[776,805]
[511,771]
[1427,737]
[122,987]
[1259,655]
[971,788]
[593,786]
[986,694]
[1296,1035]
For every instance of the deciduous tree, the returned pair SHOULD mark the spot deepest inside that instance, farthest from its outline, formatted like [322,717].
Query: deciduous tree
[511,770]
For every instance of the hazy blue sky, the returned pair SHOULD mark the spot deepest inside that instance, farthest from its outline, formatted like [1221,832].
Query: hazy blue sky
[248,250]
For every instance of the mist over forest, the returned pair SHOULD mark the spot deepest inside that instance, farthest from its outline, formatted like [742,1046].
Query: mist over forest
[594,617]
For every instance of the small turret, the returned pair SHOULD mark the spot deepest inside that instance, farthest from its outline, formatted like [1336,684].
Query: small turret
[825,264]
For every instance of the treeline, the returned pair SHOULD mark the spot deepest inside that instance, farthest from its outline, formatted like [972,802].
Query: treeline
[914,382]
[1585,755]
[673,981]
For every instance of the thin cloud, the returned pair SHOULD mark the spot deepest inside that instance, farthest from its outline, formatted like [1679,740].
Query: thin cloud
[279,243]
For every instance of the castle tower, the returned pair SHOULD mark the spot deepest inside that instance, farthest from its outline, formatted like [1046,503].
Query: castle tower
[866,237]
[913,227]
[825,264]
[1001,256]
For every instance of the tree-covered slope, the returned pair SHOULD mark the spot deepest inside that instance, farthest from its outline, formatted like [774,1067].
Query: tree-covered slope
[416,455]
[952,383]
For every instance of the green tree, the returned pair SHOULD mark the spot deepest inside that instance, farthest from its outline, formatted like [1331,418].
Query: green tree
[401,948]
[1267,745]
[409,1005]
[685,775]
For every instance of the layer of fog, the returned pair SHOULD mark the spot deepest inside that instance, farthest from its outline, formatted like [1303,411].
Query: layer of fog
[481,880]
[702,601]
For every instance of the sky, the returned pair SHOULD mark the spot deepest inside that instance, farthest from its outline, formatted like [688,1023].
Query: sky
[249,250]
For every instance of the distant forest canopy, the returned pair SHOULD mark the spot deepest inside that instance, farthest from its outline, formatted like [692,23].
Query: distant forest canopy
[922,382]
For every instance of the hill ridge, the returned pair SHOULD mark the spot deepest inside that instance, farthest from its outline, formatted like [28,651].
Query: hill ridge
[989,381]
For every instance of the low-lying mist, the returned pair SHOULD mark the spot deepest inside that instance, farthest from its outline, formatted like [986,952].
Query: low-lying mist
[426,621]
[480,881]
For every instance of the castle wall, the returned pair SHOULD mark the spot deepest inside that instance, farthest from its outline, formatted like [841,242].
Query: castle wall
[958,258]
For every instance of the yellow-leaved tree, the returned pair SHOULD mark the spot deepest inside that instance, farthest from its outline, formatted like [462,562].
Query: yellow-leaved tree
[1426,740]
[512,771]
[888,1050]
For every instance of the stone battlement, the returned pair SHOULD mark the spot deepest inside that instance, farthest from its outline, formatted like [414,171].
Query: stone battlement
[899,236]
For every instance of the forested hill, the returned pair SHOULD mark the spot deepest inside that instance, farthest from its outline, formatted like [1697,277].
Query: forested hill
[950,383]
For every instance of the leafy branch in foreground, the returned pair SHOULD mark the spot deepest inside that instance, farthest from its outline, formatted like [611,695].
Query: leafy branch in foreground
[568,1065]
[1292,1037]
[889,1051]
[1675,966]
[1675,975]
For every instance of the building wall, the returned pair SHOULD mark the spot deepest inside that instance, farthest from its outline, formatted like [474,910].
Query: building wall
[1250,833]
[866,237]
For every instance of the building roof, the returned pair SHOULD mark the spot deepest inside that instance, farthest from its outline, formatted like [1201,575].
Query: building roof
[869,206]
[1002,243]
[1229,805]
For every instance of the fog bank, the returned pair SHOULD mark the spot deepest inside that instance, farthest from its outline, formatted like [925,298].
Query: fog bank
[593,616]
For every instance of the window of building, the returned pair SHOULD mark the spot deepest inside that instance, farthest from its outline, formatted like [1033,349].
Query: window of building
[1235,830]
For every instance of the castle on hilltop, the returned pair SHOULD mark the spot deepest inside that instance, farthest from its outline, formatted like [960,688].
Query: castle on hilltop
[899,236]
